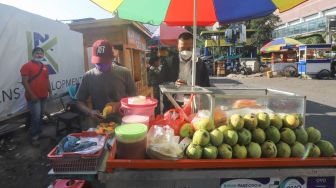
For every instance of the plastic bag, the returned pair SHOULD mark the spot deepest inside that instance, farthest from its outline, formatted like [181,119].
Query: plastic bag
[80,145]
[173,118]
[187,106]
[163,144]
[219,117]
[99,140]
[203,120]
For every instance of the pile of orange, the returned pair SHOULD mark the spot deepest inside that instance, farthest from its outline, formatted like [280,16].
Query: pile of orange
[106,128]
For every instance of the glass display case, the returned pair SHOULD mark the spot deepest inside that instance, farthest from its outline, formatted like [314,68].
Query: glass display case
[203,99]
[245,101]
[242,101]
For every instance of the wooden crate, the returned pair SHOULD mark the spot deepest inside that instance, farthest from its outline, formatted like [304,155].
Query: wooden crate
[220,71]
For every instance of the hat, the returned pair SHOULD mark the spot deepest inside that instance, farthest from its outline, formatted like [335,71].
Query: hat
[101,52]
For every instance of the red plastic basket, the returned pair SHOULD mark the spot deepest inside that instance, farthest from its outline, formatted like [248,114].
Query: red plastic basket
[73,162]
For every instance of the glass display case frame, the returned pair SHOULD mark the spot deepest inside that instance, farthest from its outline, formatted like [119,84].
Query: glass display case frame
[267,100]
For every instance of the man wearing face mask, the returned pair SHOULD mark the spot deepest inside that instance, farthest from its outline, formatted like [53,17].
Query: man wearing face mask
[178,68]
[106,83]
[35,79]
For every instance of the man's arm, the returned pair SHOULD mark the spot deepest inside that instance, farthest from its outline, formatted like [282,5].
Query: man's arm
[164,73]
[82,96]
[89,112]
[30,93]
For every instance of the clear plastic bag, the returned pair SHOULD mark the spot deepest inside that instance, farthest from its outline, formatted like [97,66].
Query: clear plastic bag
[163,144]
[100,140]
[203,120]
[80,145]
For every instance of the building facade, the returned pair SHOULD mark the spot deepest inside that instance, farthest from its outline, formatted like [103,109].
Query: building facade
[310,17]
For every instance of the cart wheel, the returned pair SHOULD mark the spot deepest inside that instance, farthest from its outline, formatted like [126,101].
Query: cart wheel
[289,71]
[243,71]
[249,70]
[261,69]
[323,74]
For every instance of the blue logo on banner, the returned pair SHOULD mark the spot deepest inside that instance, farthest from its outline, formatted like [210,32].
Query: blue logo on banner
[44,41]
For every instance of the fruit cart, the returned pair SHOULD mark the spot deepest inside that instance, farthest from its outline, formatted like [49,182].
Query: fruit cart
[287,172]
[284,62]
[269,171]
[313,60]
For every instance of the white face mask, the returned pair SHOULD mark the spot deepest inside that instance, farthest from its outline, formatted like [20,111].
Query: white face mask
[186,55]
[38,59]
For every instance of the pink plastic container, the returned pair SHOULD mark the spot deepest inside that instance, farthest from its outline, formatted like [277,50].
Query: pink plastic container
[135,119]
[146,109]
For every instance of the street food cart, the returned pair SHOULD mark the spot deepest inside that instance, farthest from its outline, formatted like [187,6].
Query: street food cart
[313,59]
[284,61]
[196,173]
[262,172]
[283,55]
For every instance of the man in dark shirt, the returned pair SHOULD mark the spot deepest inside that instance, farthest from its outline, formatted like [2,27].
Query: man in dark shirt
[106,83]
[178,68]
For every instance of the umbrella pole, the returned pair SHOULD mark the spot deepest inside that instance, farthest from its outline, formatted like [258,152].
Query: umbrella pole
[193,67]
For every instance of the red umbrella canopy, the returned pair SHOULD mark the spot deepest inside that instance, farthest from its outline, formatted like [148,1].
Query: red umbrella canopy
[168,34]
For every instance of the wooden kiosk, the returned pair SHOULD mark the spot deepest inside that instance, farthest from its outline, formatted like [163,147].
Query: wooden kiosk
[129,41]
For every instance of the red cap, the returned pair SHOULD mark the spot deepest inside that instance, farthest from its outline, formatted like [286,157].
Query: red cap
[101,52]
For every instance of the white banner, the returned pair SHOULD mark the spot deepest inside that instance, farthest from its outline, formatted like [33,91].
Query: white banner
[20,32]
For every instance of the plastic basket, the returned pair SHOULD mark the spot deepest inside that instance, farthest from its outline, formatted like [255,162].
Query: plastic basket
[73,162]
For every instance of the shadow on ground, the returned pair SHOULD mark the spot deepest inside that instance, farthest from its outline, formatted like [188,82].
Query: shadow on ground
[223,80]
[322,117]
[23,165]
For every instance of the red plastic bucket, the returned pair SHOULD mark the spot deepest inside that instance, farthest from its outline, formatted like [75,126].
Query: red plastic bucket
[146,109]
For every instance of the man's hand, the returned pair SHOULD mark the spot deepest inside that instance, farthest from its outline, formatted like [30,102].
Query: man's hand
[96,115]
[49,94]
[115,107]
[180,82]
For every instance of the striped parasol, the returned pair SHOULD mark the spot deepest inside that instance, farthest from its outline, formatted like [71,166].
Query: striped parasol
[276,44]
[194,12]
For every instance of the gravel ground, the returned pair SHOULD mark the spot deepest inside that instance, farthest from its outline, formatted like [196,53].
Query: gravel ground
[21,164]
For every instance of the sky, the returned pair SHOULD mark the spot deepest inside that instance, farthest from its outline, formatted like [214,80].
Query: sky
[60,9]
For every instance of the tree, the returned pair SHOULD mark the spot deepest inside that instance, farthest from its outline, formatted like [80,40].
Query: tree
[263,29]
[311,39]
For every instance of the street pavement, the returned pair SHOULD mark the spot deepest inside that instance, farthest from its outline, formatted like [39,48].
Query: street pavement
[320,95]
